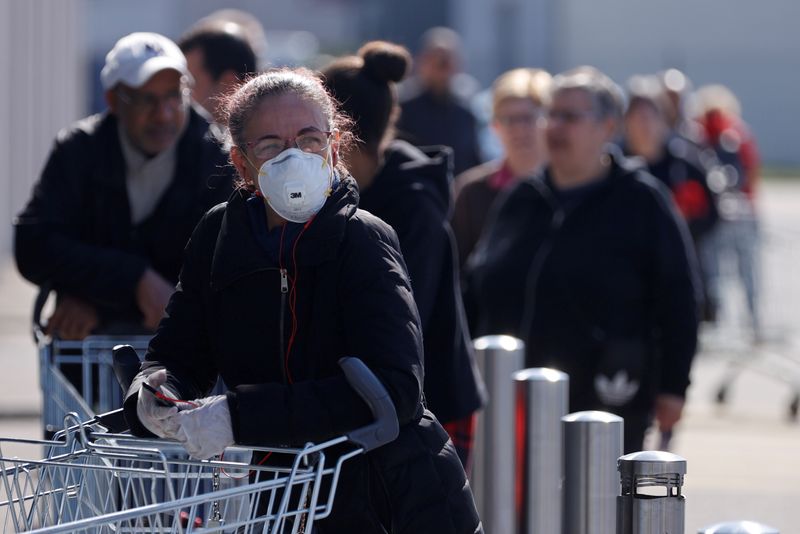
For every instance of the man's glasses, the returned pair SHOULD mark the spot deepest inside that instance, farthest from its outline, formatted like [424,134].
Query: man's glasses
[568,116]
[313,141]
[148,102]
[521,119]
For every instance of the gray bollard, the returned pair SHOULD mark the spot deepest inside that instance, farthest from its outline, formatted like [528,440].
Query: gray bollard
[738,527]
[497,357]
[651,500]
[592,443]
[542,397]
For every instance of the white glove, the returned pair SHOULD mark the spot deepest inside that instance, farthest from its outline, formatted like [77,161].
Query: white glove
[205,431]
[152,415]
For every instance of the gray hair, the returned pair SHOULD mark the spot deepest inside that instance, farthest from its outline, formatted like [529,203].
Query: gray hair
[276,82]
[608,99]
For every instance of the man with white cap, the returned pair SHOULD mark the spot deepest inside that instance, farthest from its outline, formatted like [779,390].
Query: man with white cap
[120,195]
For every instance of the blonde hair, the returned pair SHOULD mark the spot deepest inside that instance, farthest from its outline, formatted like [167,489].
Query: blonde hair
[716,97]
[533,84]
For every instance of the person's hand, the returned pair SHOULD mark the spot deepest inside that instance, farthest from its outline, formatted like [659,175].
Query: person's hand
[73,319]
[206,430]
[153,415]
[152,296]
[668,411]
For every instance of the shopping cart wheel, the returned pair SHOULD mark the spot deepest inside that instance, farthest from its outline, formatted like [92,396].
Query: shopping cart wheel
[793,407]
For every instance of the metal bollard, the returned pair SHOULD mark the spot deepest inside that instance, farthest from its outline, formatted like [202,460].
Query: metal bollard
[651,500]
[593,443]
[738,527]
[542,397]
[497,357]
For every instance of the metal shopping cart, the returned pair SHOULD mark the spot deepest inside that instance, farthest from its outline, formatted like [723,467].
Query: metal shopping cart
[77,376]
[773,349]
[93,480]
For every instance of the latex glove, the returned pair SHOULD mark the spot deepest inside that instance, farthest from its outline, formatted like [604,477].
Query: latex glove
[205,431]
[151,414]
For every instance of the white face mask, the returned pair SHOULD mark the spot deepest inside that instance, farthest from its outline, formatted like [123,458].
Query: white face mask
[296,184]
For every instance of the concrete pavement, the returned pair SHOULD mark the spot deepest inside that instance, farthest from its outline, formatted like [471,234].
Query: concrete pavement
[743,457]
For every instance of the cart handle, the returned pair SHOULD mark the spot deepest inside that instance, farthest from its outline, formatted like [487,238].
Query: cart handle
[385,428]
[126,365]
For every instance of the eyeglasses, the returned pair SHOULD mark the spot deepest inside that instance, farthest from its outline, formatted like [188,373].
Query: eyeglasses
[568,116]
[313,141]
[148,102]
[522,119]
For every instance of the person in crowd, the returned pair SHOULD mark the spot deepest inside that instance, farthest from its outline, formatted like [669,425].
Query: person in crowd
[677,88]
[519,99]
[119,196]
[219,58]
[678,163]
[432,112]
[410,189]
[591,266]
[735,181]
[277,285]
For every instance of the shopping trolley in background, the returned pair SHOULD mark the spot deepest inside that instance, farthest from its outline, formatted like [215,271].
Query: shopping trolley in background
[93,480]
[88,362]
[774,350]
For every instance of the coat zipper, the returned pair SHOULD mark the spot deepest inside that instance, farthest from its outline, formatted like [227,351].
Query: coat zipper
[284,293]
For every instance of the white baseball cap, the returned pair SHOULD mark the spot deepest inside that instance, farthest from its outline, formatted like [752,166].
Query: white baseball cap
[138,56]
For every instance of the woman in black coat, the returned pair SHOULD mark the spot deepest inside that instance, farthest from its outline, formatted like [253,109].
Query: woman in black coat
[410,188]
[277,285]
[590,265]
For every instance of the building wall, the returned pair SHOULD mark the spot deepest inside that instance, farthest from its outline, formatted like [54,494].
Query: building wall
[752,47]
[41,90]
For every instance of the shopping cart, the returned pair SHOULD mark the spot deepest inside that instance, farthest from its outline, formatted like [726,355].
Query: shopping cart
[87,363]
[774,350]
[92,480]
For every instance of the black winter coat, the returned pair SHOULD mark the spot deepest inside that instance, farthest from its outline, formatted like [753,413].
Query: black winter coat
[75,236]
[412,193]
[428,119]
[684,168]
[230,317]
[596,286]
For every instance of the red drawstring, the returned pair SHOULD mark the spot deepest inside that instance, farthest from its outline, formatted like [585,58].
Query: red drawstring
[292,294]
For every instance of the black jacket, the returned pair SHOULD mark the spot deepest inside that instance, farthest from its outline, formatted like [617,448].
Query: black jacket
[429,119]
[412,193]
[75,235]
[231,317]
[595,284]
[684,169]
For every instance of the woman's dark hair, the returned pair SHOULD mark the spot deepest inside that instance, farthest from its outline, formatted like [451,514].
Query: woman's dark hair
[365,86]
[302,82]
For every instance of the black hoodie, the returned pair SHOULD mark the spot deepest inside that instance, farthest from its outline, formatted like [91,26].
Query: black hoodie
[412,192]
[582,276]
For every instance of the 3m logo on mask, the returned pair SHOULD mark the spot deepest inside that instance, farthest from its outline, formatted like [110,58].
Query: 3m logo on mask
[296,194]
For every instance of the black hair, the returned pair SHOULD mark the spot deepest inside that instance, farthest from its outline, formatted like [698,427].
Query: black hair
[223,50]
[365,87]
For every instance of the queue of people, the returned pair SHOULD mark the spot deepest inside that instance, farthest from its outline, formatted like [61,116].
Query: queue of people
[263,225]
